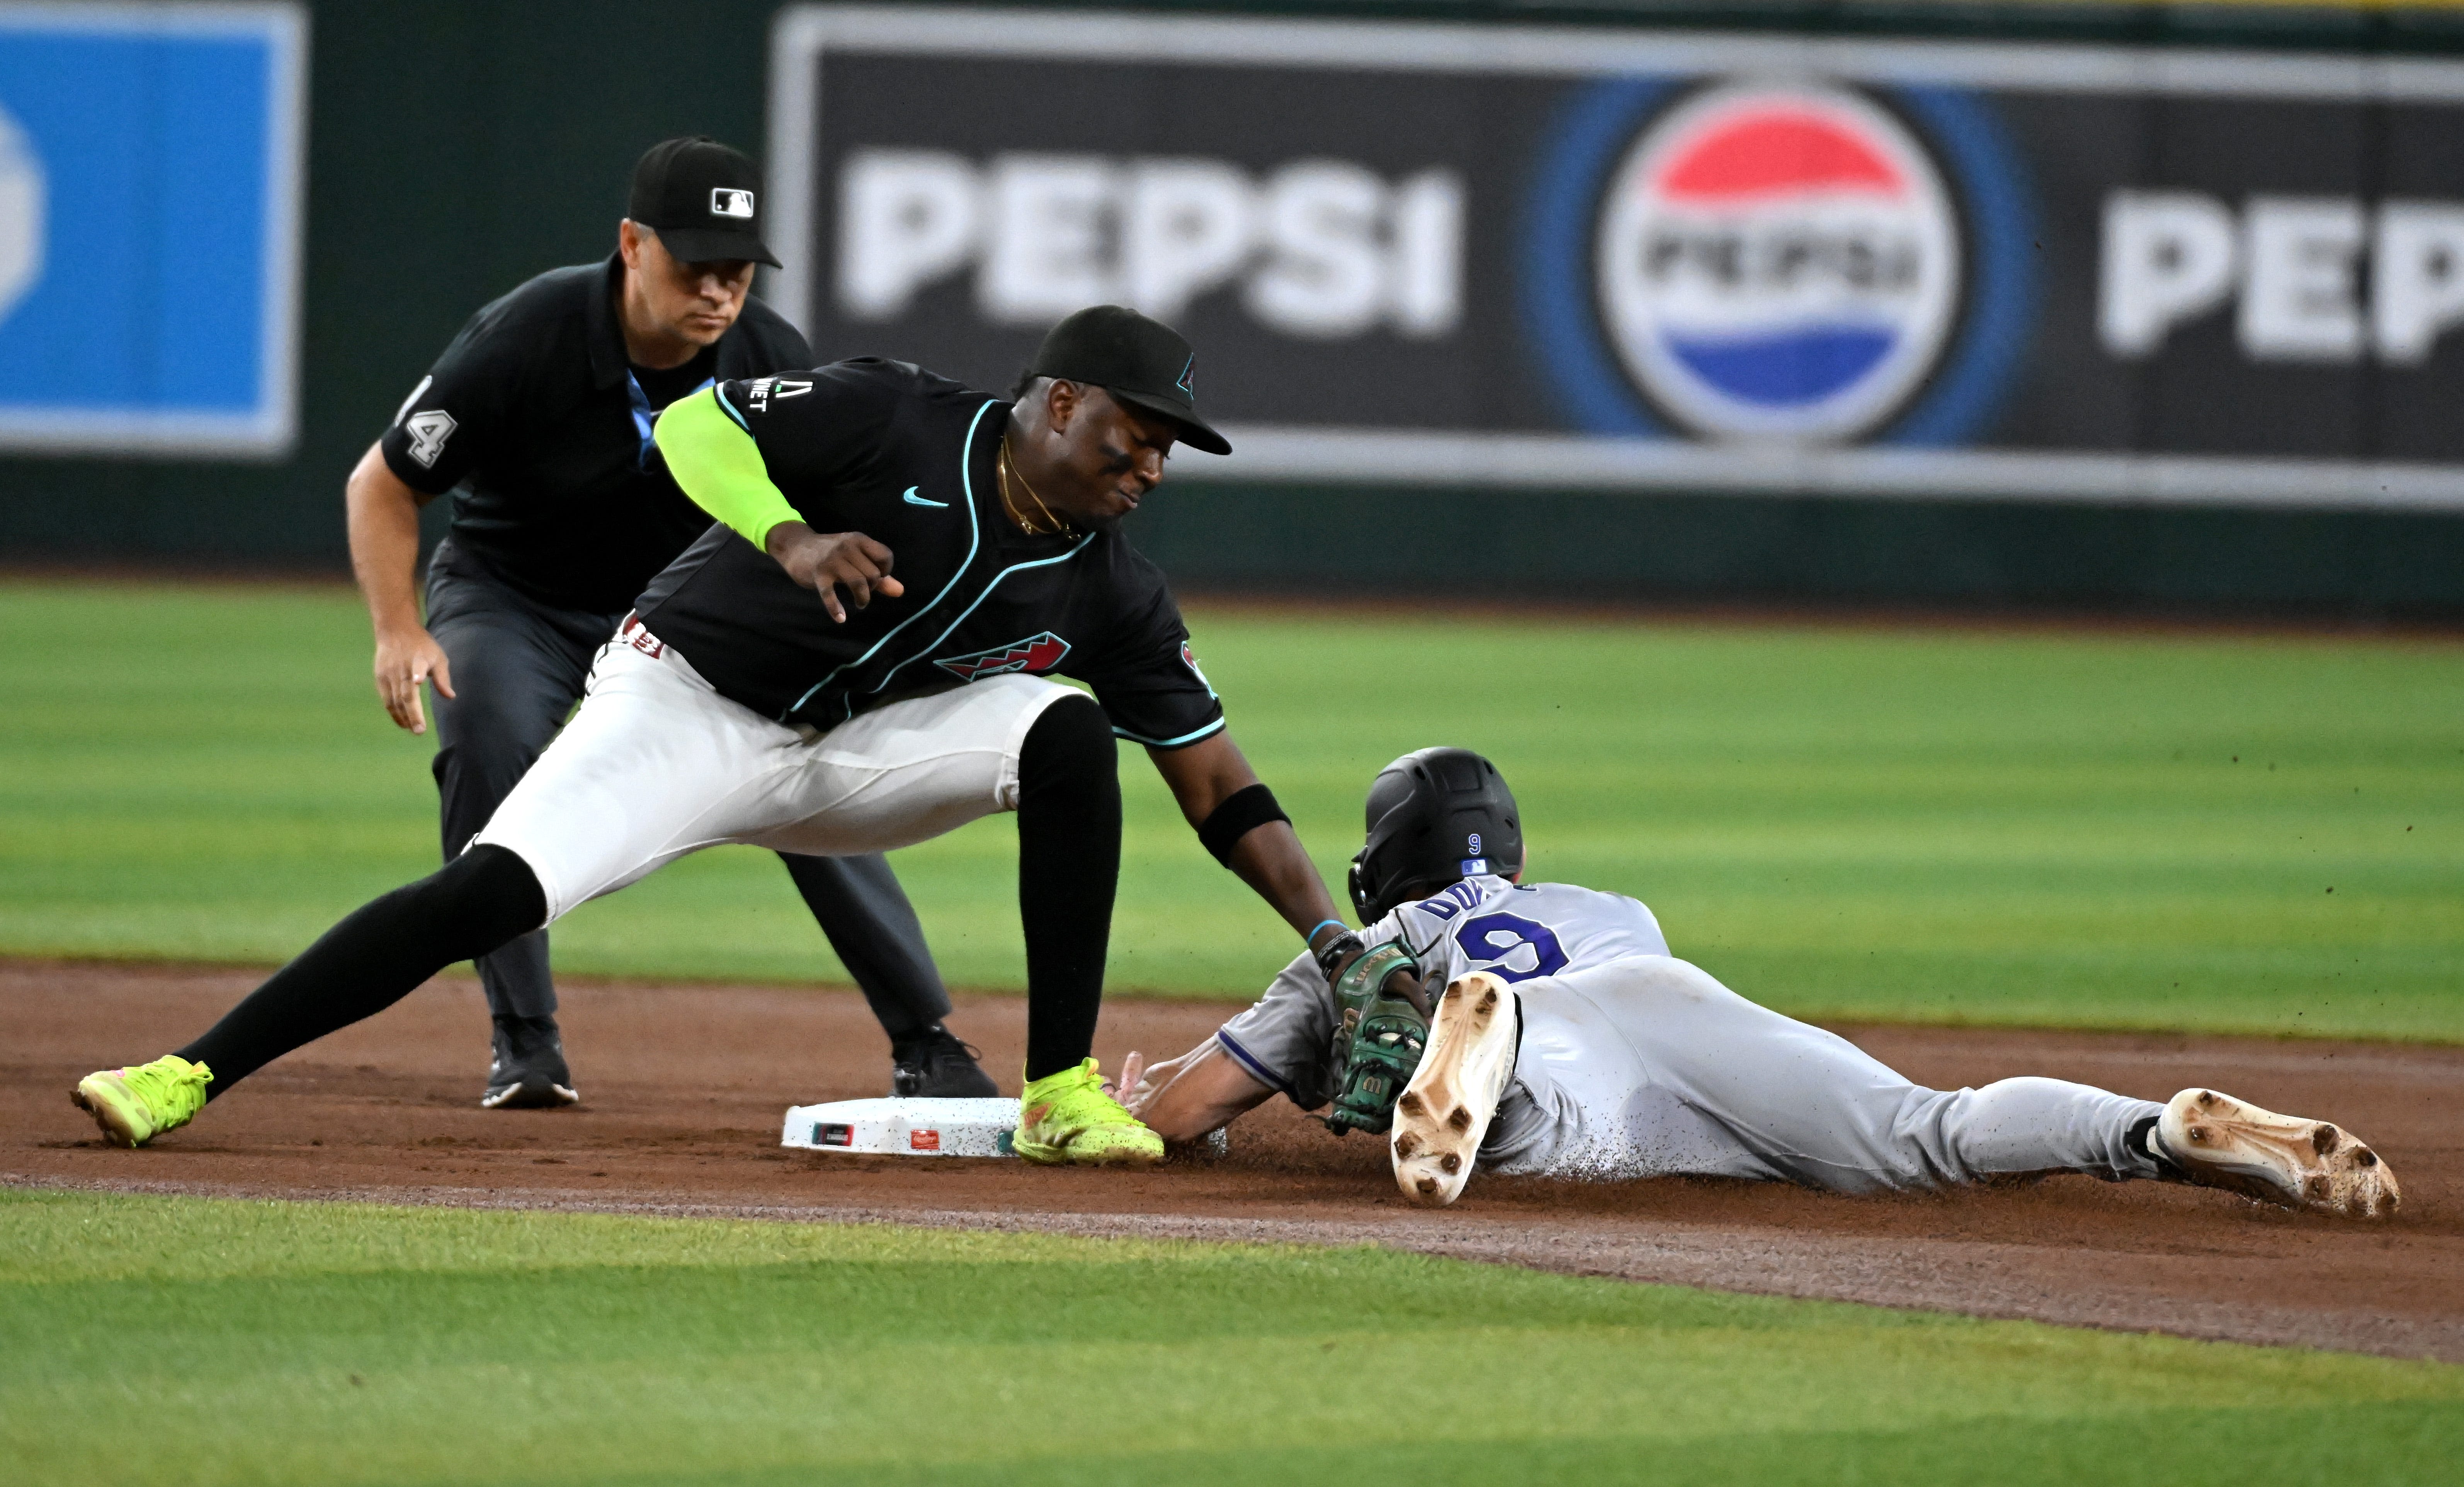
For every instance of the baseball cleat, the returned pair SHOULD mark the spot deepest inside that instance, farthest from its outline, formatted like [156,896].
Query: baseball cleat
[133,1105]
[526,1068]
[2216,1141]
[935,1065]
[1445,1110]
[1068,1117]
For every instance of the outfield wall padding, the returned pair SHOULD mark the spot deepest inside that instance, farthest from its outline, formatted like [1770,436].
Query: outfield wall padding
[454,149]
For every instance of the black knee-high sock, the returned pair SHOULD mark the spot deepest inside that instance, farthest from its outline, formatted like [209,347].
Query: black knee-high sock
[373,958]
[1068,868]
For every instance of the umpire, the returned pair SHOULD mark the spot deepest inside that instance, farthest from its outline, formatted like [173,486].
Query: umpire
[538,417]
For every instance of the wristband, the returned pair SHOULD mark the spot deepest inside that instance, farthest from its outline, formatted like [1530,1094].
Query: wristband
[1242,812]
[1338,951]
[1311,936]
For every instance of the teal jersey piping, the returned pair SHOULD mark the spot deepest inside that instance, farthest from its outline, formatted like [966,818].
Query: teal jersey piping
[1191,737]
[975,538]
[1041,563]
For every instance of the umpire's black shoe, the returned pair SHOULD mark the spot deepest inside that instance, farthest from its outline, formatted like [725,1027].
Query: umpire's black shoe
[936,1063]
[528,1072]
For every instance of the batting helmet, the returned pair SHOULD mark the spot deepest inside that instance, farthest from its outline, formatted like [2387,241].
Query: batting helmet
[1435,816]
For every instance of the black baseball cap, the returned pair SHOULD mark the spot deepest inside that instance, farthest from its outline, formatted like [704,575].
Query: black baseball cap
[1139,361]
[703,199]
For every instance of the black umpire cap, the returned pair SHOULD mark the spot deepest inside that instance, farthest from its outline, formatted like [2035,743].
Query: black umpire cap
[1139,361]
[703,199]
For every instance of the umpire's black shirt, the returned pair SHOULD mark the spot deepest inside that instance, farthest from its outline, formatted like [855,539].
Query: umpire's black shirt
[906,457]
[535,412]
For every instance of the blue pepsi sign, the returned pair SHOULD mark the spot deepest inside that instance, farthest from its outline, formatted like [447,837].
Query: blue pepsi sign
[151,169]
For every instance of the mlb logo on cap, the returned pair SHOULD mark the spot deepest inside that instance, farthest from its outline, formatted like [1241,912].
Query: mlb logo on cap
[697,194]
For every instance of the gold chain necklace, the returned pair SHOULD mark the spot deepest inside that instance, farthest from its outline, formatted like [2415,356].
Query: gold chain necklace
[1003,472]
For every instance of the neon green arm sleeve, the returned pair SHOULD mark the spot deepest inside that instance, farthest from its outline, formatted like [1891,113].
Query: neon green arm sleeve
[717,463]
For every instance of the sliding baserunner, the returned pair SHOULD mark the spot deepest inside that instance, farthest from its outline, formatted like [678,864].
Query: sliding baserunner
[1568,1043]
[780,684]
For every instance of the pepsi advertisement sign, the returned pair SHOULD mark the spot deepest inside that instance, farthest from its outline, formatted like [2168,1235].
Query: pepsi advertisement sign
[1566,258]
[1777,262]
[151,175]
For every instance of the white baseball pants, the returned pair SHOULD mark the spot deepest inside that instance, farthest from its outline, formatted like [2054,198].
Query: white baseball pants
[657,765]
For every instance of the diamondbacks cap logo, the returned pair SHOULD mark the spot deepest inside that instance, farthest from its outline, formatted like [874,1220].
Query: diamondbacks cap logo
[428,431]
[1187,382]
[729,202]
[1035,655]
[1778,261]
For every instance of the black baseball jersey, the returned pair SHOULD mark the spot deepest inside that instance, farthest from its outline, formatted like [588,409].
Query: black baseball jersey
[906,457]
[536,414]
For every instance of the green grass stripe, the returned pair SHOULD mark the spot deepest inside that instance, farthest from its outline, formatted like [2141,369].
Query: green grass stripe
[224,1342]
[2101,830]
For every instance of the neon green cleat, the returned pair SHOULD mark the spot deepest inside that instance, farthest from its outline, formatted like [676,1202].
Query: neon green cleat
[1067,1117]
[134,1106]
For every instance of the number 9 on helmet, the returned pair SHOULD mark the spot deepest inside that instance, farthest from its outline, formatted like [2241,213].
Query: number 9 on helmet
[1435,816]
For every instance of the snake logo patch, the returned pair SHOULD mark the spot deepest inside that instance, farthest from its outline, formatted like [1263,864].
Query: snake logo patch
[1036,655]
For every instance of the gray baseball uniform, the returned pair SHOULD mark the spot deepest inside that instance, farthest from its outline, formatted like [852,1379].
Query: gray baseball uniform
[1635,1063]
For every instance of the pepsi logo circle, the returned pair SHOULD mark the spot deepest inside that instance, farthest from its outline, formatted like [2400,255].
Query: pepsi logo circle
[1778,262]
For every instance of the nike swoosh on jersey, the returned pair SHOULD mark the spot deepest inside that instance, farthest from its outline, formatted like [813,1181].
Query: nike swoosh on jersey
[912,499]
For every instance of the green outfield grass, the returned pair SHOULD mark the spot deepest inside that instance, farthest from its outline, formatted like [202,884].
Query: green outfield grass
[2083,829]
[176,1341]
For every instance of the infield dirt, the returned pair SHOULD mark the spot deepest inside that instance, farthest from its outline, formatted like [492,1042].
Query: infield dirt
[685,1087]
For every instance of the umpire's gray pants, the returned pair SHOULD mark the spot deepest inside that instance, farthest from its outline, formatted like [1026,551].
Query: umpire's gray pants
[518,668]
[1650,1067]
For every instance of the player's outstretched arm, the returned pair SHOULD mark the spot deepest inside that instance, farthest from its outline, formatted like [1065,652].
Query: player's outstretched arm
[1266,855]
[383,522]
[1184,1099]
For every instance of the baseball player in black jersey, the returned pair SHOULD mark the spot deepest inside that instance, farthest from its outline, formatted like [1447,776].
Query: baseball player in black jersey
[857,659]
[539,418]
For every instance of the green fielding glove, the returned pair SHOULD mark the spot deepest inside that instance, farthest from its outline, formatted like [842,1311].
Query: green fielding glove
[1378,1040]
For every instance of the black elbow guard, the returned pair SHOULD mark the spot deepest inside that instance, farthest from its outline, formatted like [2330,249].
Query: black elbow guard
[1242,812]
